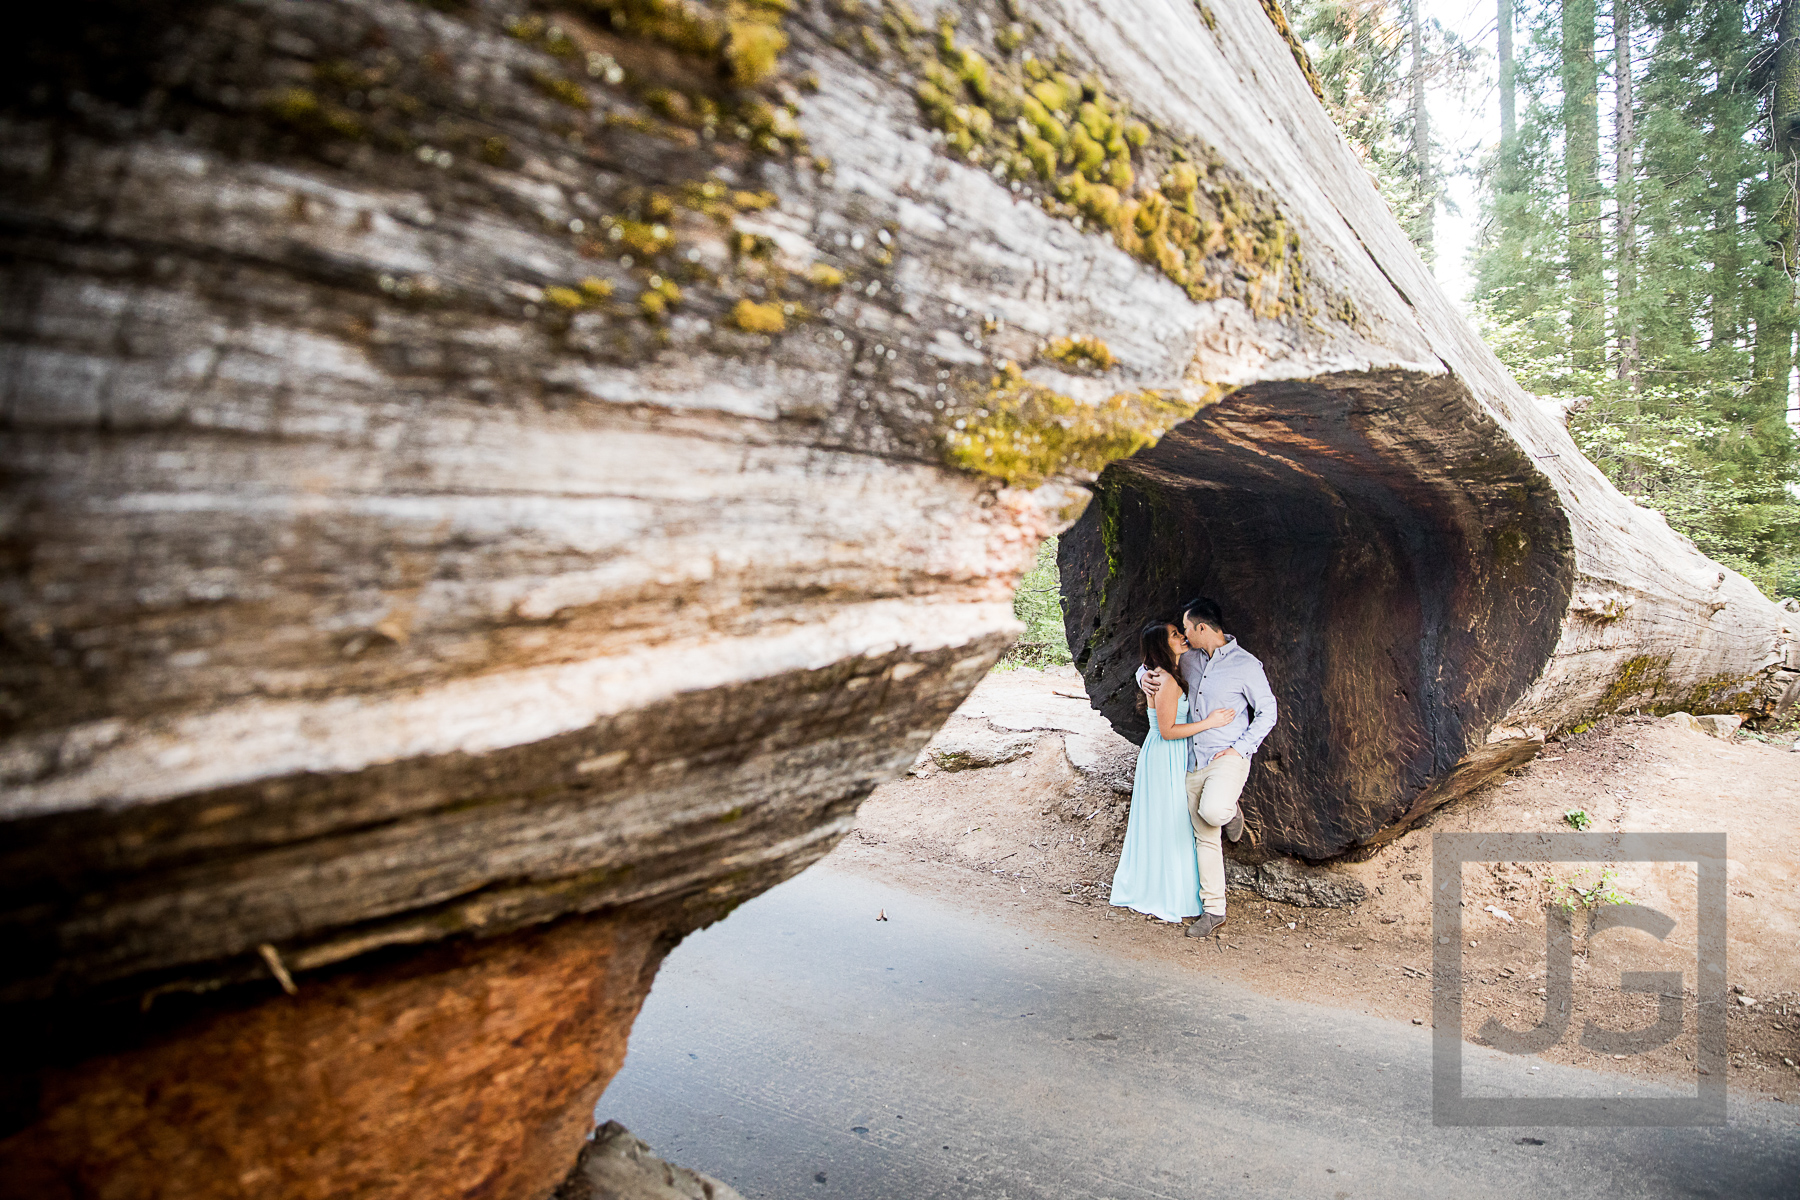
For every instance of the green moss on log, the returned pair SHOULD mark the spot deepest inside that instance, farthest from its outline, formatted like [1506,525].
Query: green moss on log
[1024,433]
[1038,126]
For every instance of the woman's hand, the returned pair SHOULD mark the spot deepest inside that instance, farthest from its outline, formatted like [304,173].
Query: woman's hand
[1219,717]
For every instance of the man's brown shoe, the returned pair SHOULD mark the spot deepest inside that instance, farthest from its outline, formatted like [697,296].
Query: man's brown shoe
[1234,828]
[1205,925]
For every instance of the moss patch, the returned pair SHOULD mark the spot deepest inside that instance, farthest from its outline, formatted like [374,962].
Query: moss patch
[1639,674]
[1037,124]
[1713,693]
[752,317]
[1024,433]
[1081,354]
[1273,9]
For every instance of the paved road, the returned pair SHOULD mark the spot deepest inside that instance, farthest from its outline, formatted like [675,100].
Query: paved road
[802,1049]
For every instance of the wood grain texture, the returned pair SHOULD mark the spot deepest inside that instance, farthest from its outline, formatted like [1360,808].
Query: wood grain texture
[471,1070]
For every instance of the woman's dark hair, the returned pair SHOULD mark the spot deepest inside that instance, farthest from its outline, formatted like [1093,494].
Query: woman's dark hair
[1153,643]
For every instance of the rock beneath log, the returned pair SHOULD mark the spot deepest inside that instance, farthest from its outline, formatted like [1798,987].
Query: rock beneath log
[1288,882]
[1719,725]
[1106,760]
[618,1166]
[965,745]
[1020,701]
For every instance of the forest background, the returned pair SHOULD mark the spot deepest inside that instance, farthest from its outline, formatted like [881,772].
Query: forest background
[1618,182]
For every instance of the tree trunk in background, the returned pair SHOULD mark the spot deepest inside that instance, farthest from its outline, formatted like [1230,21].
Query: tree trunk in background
[1509,132]
[1785,114]
[1778,311]
[1625,253]
[1425,179]
[488,492]
[1625,195]
[1581,178]
[1773,352]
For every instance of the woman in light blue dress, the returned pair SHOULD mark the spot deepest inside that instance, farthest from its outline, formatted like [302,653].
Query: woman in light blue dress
[1158,873]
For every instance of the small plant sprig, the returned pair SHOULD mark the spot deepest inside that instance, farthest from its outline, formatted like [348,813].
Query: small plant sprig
[1604,890]
[1578,818]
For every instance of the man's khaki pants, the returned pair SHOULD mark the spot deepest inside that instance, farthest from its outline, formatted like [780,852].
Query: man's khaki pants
[1212,795]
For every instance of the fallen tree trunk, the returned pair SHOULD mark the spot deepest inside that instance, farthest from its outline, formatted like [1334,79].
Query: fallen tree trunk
[1434,586]
[490,490]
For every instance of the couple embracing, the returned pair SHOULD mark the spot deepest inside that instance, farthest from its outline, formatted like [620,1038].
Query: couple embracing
[1190,771]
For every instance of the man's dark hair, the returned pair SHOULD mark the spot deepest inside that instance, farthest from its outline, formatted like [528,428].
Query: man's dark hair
[1203,611]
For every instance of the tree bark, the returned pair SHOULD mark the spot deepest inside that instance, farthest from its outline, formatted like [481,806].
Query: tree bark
[1776,311]
[1509,131]
[1509,128]
[1581,176]
[1785,119]
[1625,195]
[1424,178]
[482,482]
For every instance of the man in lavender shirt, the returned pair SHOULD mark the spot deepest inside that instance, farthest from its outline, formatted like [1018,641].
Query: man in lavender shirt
[1218,673]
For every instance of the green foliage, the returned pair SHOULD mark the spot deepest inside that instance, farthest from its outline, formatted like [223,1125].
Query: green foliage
[1038,603]
[1605,890]
[1363,57]
[1578,818]
[1692,453]
[1677,374]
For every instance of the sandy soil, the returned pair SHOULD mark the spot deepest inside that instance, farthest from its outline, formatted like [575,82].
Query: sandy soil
[1036,840]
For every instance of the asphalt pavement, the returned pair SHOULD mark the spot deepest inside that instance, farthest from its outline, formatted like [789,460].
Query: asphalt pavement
[801,1048]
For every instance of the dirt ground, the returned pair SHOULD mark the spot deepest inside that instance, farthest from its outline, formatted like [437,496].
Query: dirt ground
[1036,840]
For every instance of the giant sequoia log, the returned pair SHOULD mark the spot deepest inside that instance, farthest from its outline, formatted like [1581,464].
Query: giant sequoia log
[491,486]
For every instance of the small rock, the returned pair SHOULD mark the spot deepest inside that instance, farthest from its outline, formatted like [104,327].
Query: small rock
[1285,881]
[618,1166]
[965,745]
[1719,725]
[1103,757]
[1418,1020]
[1746,1001]
[1681,720]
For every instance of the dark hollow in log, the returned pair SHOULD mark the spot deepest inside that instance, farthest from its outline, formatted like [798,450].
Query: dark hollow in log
[1396,561]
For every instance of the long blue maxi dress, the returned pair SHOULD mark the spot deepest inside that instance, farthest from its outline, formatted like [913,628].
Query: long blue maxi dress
[1157,872]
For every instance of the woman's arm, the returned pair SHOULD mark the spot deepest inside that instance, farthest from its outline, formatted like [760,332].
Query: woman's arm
[1167,698]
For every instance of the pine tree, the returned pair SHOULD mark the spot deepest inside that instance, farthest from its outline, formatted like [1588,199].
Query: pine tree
[1694,281]
[1581,174]
[1420,169]
[1625,196]
[1377,61]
